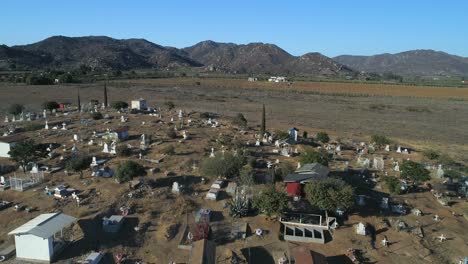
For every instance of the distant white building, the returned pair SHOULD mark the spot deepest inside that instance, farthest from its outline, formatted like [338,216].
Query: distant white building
[36,241]
[6,143]
[252,79]
[139,104]
[277,79]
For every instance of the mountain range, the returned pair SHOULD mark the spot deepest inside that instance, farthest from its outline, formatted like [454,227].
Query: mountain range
[100,52]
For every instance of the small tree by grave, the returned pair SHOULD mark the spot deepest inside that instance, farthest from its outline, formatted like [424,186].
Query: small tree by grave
[271,202]
[283,169]
[330,194]
[305,134]
[226,166]
[96,115]
[123,151]
[414,172]
[239,120]
[310,155]
[380,140]
[24,152]
[246,176]
[129,170]
[393,184]
[119,105]
[169,104]
[323,137]
[16,109]
[170,133]
[50,105]
[78,164]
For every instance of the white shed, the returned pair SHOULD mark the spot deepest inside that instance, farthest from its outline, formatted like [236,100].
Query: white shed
[6,143]
[139,104]
[36,240]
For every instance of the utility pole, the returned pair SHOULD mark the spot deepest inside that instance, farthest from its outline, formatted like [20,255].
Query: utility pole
[105,93]
[79,101]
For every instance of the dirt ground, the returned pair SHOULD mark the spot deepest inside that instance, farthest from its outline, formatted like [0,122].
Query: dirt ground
[438,123]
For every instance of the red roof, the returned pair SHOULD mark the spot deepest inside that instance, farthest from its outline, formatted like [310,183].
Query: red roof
[293,188]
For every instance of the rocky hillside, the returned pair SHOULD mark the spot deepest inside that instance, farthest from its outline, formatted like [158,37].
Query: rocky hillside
[415,62]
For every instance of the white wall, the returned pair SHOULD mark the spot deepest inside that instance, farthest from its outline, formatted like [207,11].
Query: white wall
[4,149]
[33,247]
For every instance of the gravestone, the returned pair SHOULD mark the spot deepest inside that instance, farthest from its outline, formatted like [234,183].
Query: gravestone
[64,126]
[113,148]
[175,188]
[46,125]
[379,163]
[6,119]
[212,155]
[361,229]
[387,148]
[106,148]
[440,172]
[94,162]
[398,149]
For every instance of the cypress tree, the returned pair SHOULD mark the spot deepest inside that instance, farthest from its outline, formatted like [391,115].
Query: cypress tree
[263,128]
[79,101]
[105,94]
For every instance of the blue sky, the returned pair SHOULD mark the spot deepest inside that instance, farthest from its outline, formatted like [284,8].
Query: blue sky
[332,27]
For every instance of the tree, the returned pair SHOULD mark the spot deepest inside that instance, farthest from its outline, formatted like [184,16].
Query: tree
[271,202]
[330,194]
[170,105]
[240,120]
[310,155]
[323,137]
[305,134]
[79,101]
[50,105]
[105,94]
[283,170]
[263,127]
[119,105]
[226,165]
[78,164]
[15,109]
[414,171]
[246,176]
[24,152]
[393,184]
[96,116]
[170,133]
[123,151]
[128,170]
[380,140]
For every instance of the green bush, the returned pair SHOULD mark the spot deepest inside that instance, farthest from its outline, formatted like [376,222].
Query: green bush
[168,150]
[310,155]
[226,166]
[393,184]
[271,202]
[50,105]
[96,116]
[170,133]
[431,154]
[15,109]
[78,164]
[330,194]
[414,171]
[240,120]
[129,170]
[380,140]
[323,137]
[280,135]
[170,105]
[119,105]
[123,151]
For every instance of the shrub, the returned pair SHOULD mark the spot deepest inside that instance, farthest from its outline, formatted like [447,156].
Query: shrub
[323,137]
[170,105]
[431,154]
[25,151]
[39,80]
[50,105]
[414,171]
[33,127]
[330,194]
[305,134]
[170,133]
[78,164]
[246,176]
[123,151]
[128,170]
[96,115]
[380,140]
[168,150]
[15,109]
[310,155]
[226,165]
[119,105]
[393,184]
[283,170]
[271,202]
[240,120]
[280,135]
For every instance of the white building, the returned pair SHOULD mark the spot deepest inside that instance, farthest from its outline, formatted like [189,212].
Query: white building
[6,143]
[36,241]
[277,79]
[139,104]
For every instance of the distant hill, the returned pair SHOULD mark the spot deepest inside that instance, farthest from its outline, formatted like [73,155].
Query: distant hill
[414,62]
[100,52]
[262,58]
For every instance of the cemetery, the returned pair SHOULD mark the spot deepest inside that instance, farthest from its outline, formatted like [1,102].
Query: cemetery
[176,184]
